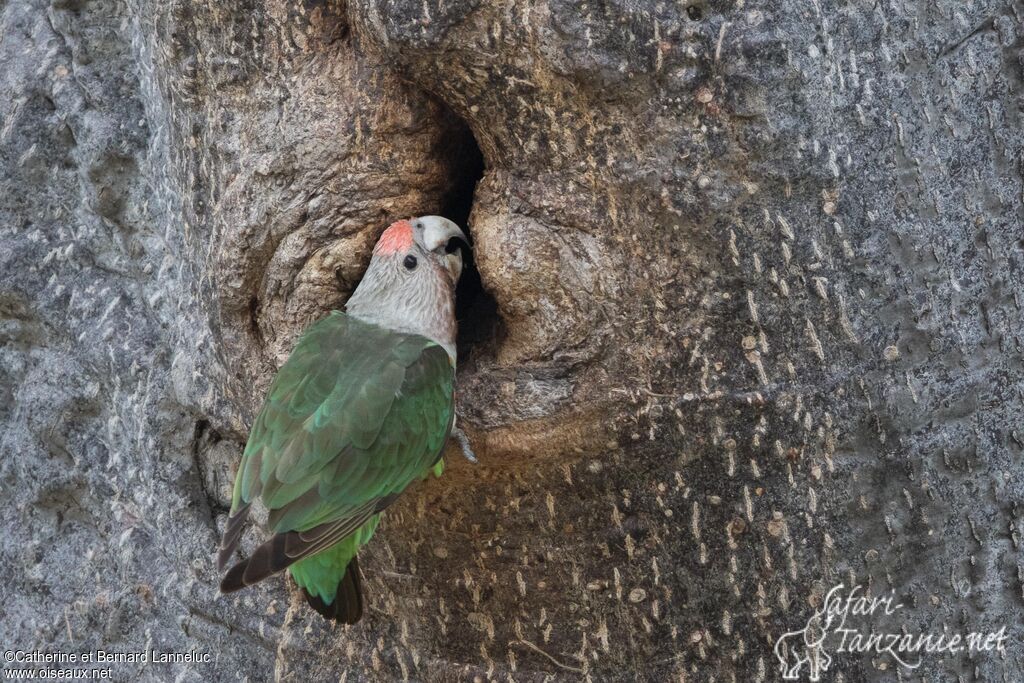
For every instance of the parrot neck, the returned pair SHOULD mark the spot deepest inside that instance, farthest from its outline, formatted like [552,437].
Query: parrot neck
[426,309]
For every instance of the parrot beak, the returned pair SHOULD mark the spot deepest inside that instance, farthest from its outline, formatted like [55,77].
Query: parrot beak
[453,263]
[444,238]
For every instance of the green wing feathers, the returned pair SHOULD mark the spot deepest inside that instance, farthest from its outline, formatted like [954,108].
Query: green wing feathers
[354,416]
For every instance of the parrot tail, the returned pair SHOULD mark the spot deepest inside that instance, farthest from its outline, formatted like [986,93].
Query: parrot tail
[347,606]
[322,560]
[232,537]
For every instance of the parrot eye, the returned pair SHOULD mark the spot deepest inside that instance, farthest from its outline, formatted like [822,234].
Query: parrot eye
[409,262]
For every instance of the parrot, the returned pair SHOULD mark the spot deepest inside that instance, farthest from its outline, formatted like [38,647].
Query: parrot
[362,408]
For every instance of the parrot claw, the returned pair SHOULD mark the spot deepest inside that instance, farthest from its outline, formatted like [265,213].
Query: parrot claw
[463,440]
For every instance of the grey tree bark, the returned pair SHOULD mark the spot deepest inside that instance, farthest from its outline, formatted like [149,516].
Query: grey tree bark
[745,322]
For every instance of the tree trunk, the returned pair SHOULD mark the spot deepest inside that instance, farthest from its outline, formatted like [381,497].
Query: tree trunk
[744,323]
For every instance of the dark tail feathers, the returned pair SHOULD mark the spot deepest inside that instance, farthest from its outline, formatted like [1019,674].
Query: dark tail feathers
[347,607]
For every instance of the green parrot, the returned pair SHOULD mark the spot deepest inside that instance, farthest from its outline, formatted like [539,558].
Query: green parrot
[362,408]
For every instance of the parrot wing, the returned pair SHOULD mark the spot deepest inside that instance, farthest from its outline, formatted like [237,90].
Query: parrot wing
[355,415]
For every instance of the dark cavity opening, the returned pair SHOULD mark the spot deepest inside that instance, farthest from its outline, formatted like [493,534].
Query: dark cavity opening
[475,308]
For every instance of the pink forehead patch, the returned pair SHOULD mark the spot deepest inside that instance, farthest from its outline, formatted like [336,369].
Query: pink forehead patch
[397,238]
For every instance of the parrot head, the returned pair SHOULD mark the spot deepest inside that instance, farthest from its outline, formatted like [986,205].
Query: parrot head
[409,285]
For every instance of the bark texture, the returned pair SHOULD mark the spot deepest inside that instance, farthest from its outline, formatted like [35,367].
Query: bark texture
[745,323]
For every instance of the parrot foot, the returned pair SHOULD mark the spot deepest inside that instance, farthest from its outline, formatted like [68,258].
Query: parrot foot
[463,440]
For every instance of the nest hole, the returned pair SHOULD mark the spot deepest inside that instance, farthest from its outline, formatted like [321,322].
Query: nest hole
[480,325]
